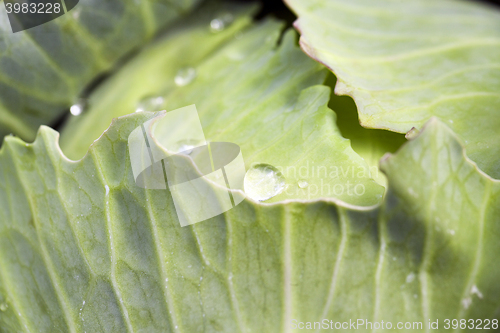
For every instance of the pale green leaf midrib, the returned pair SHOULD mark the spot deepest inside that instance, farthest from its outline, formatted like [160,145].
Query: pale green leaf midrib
[479,251]
[109,229]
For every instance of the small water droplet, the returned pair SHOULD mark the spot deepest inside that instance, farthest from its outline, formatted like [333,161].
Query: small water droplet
[221,22]
[4,306]
[263,181]
[185,76]
[466,302]
[186,146]
[150,103]
[77,108]
[410,277]
[412,134]
[235,54]
[76,14]
[303,183]
[475,290]
[186,149]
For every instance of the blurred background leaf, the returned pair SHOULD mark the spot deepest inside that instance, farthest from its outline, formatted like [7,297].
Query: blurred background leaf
[404,62]
[43,70]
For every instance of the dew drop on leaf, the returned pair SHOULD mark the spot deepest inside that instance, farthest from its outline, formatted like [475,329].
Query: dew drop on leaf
[76,13]
[78,107]
[221,22]
[186,146]
[151,103]
[303,184]
[4,306]
[412,134]
[185,76]
[263,181]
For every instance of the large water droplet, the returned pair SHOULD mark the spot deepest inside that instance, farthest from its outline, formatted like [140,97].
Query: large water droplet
[263,181]
[221,22]
[77,108]
[4,306]
[185,76]
[303,183]
[150,104]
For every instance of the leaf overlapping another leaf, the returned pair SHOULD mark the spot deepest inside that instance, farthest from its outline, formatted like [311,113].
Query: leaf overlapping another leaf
[85,249]
[404,62]
[265,98]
